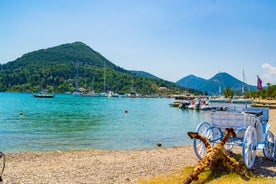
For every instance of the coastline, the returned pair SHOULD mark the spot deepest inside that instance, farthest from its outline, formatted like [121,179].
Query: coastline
[117,166]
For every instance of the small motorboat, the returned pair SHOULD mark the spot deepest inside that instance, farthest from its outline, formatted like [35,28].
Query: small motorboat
[44,95]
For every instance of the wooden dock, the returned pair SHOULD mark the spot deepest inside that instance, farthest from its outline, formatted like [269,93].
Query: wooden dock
[264,103]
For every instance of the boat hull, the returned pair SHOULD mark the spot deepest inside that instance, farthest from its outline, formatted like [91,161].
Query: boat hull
[44,95]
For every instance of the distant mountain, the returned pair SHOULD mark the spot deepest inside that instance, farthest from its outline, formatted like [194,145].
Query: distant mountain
[213,85]
[74,65]
[191,82]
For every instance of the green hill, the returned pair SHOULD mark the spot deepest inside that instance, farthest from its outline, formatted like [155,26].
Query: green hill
[57,68]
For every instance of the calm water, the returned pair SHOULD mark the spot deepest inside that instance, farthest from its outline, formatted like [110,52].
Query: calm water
[68,122]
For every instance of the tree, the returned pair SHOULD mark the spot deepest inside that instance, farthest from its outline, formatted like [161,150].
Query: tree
[262,93]
[228,92]
[269,90]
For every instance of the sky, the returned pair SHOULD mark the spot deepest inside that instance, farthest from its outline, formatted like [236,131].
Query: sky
[167,38]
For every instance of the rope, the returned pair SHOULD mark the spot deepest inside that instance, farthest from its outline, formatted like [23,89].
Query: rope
[4,163]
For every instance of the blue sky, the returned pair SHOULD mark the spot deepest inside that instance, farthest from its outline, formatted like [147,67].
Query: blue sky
[168,38]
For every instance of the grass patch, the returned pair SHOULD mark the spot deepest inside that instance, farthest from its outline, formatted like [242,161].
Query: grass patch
[205,177]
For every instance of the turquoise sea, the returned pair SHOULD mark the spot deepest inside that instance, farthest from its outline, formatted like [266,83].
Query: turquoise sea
[69,122]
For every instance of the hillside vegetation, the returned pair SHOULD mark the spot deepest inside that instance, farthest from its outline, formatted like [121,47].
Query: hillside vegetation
[56,69]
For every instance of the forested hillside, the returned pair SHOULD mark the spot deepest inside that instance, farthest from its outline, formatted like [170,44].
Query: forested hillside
[58,68]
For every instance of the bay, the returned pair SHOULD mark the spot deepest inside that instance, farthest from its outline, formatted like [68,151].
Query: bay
[69,122]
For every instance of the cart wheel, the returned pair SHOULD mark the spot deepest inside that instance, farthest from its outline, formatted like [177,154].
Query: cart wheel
[274,156]
[269,145]
[249,147]
[205,130]
[228,146]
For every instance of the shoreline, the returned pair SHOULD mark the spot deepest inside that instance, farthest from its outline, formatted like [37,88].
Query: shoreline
[109,166]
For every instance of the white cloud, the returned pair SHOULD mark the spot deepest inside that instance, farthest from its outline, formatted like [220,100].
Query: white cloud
[269,73]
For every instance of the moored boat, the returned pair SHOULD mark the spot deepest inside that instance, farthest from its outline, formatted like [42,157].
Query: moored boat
[265,103]
[242,101]
[43,95]
[132,95]
[220,99]
[185,104]
[176,103]
[112,94]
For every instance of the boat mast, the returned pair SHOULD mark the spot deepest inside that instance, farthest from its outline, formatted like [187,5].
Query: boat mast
[104,77]
[77,75]
[85,78]
[245,81]
[132,90]
[222,83]
[189,84]
[92,84]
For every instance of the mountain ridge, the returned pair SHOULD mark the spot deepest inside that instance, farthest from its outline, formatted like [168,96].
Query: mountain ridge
[216,84]
[144,74]
[55,68]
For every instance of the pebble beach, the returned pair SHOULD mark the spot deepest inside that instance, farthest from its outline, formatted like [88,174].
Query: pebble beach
[119,166]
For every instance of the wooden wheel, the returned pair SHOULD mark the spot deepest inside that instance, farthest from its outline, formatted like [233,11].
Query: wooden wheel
[228,146]
[249,147]
[268,149]
[207,131]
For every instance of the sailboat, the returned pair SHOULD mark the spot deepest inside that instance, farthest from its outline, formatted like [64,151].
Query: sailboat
[43,94]
[77,91]
[104,94]
[242,99]
[220,98]
[84,92]
[132,94]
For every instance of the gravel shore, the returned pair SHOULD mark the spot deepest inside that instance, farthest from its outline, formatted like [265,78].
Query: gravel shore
[98,166]
[94,166]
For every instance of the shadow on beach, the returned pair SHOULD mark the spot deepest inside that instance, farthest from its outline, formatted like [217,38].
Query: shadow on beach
[264,167]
